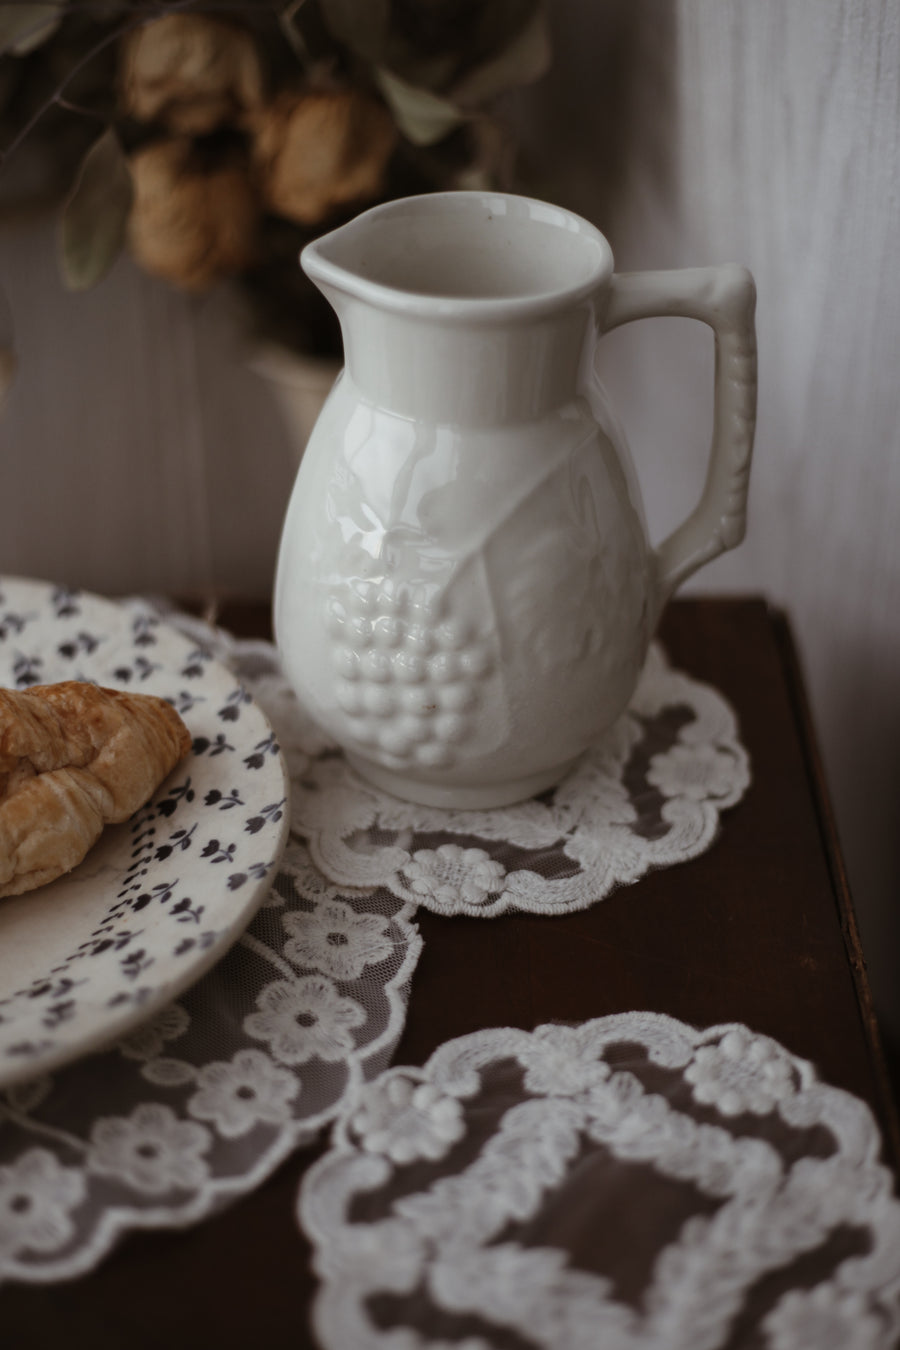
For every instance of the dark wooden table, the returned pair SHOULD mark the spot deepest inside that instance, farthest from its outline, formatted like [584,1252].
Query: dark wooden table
[760,930]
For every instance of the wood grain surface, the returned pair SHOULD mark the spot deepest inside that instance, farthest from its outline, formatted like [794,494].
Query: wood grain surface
[759,929]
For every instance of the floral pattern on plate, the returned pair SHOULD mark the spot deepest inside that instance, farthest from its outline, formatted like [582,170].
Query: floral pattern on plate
[158,900]
[203,1099]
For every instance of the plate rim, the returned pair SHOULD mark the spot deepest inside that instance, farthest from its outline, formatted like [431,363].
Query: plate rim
[191,971]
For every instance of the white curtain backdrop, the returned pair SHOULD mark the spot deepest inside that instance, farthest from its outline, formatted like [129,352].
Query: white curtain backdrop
[768,133]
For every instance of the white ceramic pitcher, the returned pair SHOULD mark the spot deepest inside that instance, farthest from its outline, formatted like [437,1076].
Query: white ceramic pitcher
[465,590]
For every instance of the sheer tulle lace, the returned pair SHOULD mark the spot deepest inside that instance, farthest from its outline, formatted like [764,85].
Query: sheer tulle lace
[203,1102]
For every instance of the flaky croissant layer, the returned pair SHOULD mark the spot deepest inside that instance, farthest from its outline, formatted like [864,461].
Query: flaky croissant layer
[73,758]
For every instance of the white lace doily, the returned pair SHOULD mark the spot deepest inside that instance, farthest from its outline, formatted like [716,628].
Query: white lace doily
[648,795]
[629,1183]
[203,1103]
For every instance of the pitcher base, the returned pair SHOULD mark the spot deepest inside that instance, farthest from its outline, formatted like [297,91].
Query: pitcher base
[459,796]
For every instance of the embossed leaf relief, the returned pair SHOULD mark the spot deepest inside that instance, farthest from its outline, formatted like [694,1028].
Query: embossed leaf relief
[629,1183]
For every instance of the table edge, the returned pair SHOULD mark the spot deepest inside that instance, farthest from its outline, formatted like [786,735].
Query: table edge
[830,838]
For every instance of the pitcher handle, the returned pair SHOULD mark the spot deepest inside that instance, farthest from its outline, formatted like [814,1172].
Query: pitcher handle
[724,298]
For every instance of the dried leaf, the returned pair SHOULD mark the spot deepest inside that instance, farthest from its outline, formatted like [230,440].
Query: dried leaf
[496,23]
[362,25]
[95,215]
[25,27]
[421,116]
[293,34]
[434,73]
[525,59]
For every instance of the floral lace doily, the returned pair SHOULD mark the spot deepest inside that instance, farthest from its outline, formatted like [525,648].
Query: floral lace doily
[629,1183]
[648,795]
[201,1105]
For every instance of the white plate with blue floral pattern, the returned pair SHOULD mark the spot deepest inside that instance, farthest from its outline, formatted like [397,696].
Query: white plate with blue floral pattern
[161,898]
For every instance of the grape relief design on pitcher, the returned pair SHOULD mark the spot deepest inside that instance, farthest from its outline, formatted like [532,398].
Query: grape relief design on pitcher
[425,626]
[413,676]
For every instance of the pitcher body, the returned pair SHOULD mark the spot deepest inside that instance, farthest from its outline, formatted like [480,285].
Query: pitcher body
[465,589]
[464,610]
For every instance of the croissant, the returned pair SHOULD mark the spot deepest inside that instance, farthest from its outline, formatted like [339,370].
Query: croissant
[73,758]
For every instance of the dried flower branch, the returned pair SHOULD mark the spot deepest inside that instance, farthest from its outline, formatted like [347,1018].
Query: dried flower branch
[234,130]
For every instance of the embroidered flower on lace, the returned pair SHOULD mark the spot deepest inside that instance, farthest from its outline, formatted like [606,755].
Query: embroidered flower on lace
[304,1019]
[696,772]
[565,1063]
[589,838]
[649,794]
[151,1150]
[536,1291]
[330,797]
[148,1040]
[308,878]
[824,1318]
[742,1072]
[335,939]
[166,1071]
[248,1091]
[406,1120]
[610,853]
[124,1159]
[486,1230]
[450,878]
[37,1195]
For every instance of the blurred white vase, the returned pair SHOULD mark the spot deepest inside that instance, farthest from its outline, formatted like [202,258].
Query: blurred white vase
[301,385]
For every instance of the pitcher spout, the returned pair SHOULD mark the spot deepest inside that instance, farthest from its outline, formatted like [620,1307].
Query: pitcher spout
[470,253]
[463,305]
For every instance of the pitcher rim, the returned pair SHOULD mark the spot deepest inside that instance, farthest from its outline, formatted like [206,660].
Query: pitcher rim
[450,308]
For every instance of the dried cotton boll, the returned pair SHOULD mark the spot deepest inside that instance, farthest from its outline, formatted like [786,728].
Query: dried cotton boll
[186,226]
[190,72]
[315,152]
